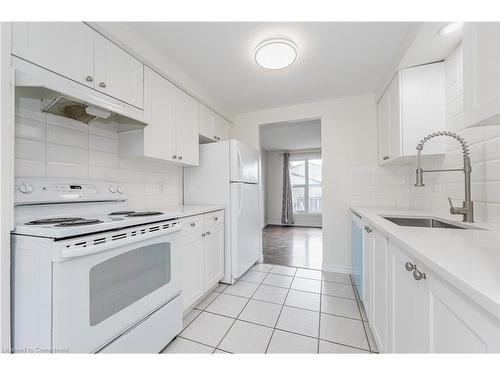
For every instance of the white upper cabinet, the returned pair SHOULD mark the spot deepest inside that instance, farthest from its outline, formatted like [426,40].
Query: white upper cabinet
[185,123]
[75,51]
[117,73]
[158,138]
[481,54]
[171,132]
[213,128]
[66,48]
[412,107]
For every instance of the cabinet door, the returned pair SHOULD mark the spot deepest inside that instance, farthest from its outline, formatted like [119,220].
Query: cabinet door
[394,120]
[458,325]
[206,122]
[193,281]
[380,285]
[66,48]
[185,122]
[214,254]
[481,54]
[220,128]
[383,129]
[410,306]
[367,270]
[117,73]
[159,133]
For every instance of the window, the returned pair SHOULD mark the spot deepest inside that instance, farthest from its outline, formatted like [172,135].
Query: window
[305,176]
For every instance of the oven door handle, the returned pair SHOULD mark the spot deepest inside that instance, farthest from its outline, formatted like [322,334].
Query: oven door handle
[83,251]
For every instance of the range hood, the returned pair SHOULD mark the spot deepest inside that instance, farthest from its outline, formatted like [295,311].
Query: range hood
[63,97]
[73,109]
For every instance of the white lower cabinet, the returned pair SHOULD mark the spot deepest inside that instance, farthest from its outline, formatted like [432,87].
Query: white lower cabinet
[413,310]
[202,242]
[409,305]
[380,296]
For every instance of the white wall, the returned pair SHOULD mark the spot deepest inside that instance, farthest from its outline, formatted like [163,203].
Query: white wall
[348,139]
[485,158]
[274,192]
[6,172]
[53,146]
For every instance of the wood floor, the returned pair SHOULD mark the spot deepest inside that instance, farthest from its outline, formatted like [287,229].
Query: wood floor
[292,246]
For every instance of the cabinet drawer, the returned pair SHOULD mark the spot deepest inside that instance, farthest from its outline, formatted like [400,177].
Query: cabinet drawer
[192,224]
[214,218]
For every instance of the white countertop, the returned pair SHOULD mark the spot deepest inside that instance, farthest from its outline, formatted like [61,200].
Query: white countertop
[468,259]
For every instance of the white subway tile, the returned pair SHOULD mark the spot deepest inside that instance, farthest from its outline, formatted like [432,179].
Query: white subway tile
[68,170]
[29,168]
[29,149]
[103,159]
[105,144]
[68,136]
[66,154]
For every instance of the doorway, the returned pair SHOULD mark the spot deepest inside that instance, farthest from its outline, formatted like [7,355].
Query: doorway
[294,239]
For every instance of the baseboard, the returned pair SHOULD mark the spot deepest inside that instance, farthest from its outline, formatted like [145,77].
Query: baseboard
[338,269]
[295,225]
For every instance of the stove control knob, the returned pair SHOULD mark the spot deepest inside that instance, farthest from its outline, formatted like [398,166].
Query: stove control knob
[120,190]
[112,189]
[25,188]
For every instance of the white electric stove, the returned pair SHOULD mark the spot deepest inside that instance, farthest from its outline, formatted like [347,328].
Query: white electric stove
[90,275]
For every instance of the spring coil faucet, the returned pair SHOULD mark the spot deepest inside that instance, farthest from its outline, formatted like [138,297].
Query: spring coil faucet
[467,209]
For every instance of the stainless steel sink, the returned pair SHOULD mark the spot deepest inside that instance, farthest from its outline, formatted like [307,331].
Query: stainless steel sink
[422,222]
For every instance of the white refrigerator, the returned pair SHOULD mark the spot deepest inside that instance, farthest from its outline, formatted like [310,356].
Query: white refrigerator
[228,175]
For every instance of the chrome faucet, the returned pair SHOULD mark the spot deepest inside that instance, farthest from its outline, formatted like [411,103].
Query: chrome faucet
[467,209]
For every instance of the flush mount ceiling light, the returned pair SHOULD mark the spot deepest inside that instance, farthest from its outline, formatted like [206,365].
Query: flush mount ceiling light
[450,28]
[275,53]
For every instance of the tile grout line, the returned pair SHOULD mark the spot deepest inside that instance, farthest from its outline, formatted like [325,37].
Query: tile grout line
[249,299]
[279,315]
[360,314]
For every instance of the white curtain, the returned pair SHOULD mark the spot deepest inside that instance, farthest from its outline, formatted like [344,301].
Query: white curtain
[286,202]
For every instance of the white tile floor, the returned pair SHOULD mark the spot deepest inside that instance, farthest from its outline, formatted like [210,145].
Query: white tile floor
[278,309]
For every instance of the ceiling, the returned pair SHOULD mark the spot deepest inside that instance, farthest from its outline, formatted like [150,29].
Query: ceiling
[336,59]
[297,135]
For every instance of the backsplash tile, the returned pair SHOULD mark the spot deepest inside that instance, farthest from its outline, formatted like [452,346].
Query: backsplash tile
[48,145]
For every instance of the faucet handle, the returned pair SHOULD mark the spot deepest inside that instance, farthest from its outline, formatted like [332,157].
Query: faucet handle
[453,210]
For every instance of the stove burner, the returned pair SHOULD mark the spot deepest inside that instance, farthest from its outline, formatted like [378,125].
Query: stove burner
[79,222]
[144,213]
[122,213]
[54,220]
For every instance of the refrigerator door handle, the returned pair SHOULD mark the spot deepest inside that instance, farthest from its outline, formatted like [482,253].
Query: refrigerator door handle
[241,201]
[239,164]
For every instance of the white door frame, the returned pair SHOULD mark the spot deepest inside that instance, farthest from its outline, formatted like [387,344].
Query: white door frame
[7,104]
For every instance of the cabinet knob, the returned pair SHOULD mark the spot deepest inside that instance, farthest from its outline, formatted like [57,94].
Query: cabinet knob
[368,229]
[208,233]
[417,275]
[102,84]
[174,156]
[89,79]
[180,157]
[192,224]
[385,157]
[410,266]
[203,234]
[216,218]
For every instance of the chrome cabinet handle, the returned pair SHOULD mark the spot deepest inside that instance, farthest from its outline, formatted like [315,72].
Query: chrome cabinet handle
[417,275]
[192,224]
[89,79]
[203,234]
[385,157]
[410,266]
[102,84]
[368,229]
[174,156]
[208,233]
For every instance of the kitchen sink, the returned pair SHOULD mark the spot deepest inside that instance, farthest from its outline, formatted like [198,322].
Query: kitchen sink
[423,222]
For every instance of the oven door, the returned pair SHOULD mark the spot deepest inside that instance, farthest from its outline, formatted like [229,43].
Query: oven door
[96,297]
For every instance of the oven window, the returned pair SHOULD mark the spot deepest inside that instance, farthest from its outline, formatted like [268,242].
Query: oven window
[120,281]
